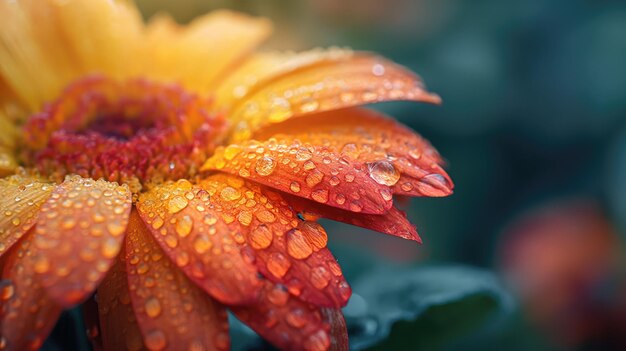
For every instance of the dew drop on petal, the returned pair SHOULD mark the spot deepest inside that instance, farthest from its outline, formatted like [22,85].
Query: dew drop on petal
[297,245]
[7,290]
[320,195]
[318,341]
[278,264]
[265,166]
[296,318]
[184,225]
[177,204]
[295,187]
[320,277]
[153,307]
[230,193]
[383,172]
[261,237]
[155,340]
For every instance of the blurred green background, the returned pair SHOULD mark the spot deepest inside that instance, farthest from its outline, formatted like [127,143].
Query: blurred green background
[528,252]
[533,126]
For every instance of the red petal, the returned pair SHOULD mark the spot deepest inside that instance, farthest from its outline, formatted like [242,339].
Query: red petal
[393,222]
[291,324]
[198,239]
[118,323]
[287,251]
[327,81]
[78,234]
[27,314]
[20,199]
[172,312]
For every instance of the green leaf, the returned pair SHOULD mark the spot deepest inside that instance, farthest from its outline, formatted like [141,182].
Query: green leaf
[423,308]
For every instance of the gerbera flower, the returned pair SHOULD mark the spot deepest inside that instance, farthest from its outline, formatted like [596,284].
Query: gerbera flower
[176,174]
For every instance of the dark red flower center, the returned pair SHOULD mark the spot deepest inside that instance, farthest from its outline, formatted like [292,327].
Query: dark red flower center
[135,132]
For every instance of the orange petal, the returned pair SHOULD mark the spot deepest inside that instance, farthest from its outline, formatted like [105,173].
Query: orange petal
[311,171]
[198,239]
[289,323]
[368,137]
[286,250]
[393,222]
[330,80]
[78,234]
[172,312]
[118,323]
[27,314]
[20,199]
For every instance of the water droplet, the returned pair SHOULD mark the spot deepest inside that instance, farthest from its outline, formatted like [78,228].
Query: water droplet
[171,241]
[303,154]
[295,187]
[383,172]
[320,195]
[308,165]
[278,264]
[356,206]
[7,290]
[297,245]
[318,341]
[406,186]
[296,318]
[177,204]
[261,237]
[386,194]
[351,151]
[378,70]
[315,234]
[340,199]
[202,244]
[115,227]
[184,225]
[320,277]
[230,193]
[153,307]
[278,296]
[155,340]
[266,216]
[265,166]
[245,218]
[110,248]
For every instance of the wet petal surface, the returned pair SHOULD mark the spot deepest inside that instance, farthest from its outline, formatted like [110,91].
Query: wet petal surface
[21,198]
[78,234]
[172,312]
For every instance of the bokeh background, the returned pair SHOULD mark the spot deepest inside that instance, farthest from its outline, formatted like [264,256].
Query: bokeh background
[528,254]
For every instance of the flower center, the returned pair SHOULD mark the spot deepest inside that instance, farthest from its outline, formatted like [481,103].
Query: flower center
[135,132]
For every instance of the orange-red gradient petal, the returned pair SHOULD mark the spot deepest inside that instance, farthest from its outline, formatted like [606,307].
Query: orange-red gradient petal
[182,219]
[332,80]
[172,312]
[286,249]
[20,200]
[289,323]
[118,324]
[27,313]
[366,136]
[78,234]
[393,222]
[311,171]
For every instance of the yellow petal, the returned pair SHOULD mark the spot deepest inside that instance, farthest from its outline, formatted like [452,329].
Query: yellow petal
[204,51]
[313,82]
[20,200]
[44,44]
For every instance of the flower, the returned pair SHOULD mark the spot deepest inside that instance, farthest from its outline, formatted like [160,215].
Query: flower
[177,173]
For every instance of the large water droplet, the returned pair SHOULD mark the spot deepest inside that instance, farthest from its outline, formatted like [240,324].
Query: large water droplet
[297,245]
[177,204]
[261,237]
[265,166]
[153,307]
[383,172]
[278,264]
[184,225]
[155,340]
